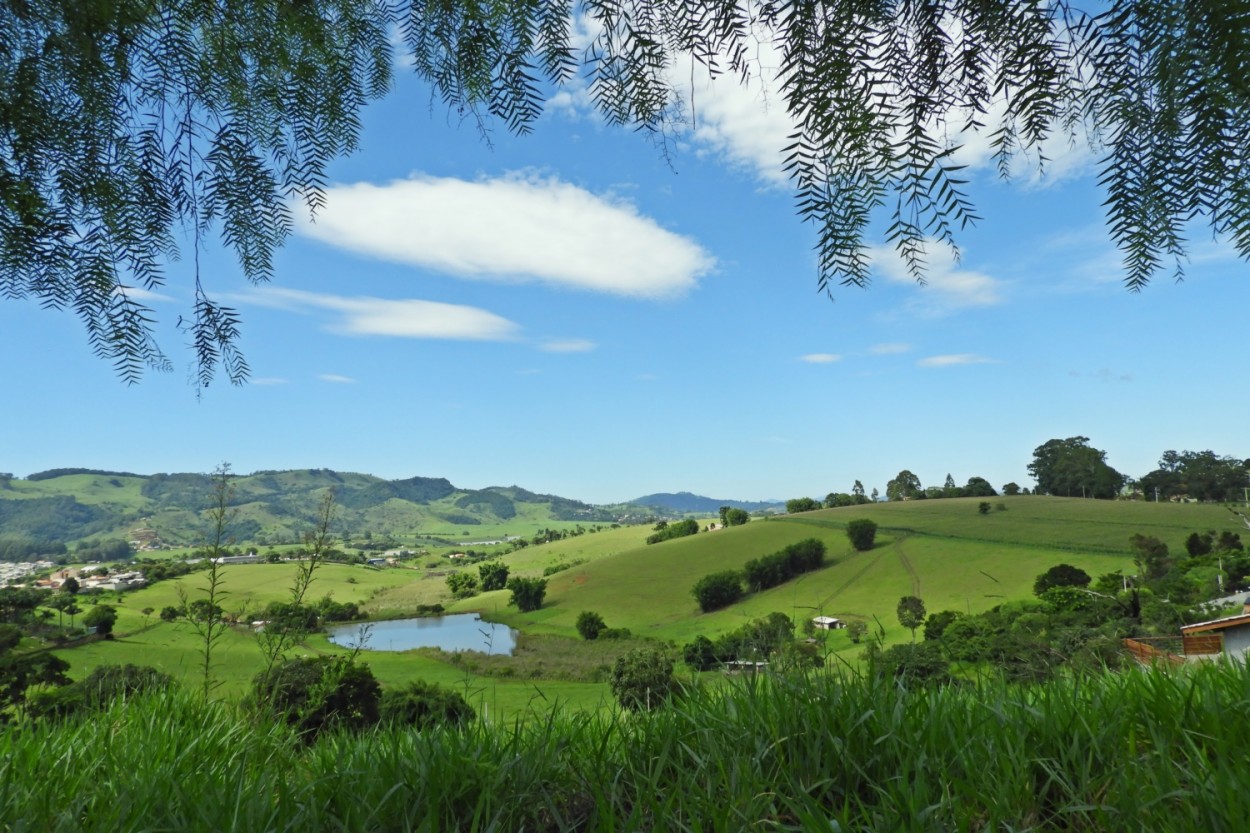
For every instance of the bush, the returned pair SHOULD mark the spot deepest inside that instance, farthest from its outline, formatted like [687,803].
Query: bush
[462,585]
[527,593]
[99,689]
[424,705]
[169,613]
[717,590]
[700,654]
[590,624]
[643,679]
[321,694]
[102,618]
[679,529]
[1060,575]
[616,633]
[914,662]
[863,533]
[778,568]
[494,575]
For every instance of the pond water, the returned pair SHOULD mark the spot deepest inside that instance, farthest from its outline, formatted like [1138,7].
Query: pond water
[460,632]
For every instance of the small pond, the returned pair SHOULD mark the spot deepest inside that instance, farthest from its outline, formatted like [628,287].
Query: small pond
[460,632]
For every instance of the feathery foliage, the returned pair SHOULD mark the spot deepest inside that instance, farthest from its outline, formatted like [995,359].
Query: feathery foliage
[126,123]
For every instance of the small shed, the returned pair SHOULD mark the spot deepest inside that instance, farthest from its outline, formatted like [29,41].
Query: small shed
[828,623]
[1229,636]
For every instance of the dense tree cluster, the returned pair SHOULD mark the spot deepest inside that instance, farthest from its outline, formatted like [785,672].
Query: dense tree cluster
[764,639]
[779,567]
[1073,468]
[665,531]
[527,593]
[1197,475]
[717,590]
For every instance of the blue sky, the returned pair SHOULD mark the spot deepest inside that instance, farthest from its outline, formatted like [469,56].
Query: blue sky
[575,313]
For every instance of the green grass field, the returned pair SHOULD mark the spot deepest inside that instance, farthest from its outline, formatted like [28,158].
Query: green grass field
[942,550]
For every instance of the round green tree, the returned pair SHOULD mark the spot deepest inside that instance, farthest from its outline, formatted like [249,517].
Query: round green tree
[863,533]
[643,679]
[590,624]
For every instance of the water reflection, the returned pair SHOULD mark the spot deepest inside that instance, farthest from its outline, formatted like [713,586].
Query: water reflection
[460,632]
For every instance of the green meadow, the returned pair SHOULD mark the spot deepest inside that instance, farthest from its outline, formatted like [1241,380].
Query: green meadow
[944,551]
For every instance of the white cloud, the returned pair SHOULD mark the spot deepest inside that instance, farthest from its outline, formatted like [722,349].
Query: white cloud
[947,286]
[517,228]
[405,318]
[889,349]
[820,358]
[743,121]
[568,345]
[953,359]
[137,293]
[336,379]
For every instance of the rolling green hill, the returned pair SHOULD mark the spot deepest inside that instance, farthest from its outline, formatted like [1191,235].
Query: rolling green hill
[944,551]
[275,507]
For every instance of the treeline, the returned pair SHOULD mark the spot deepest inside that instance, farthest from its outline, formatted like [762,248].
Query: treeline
[30,549]
[768,639]
[721,589]
[51,473]
[54,518]
[665,531]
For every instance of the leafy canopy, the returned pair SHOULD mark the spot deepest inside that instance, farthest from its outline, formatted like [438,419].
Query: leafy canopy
[126,125]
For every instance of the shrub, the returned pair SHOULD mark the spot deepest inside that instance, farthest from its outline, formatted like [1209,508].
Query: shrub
[527,593]
[1060,575]
[494,575]
[590,624]
[863,533]
[643,679]
[424,705]
[778,568]
[102,618]
[321,694]
[679,529]
[462,585]
[914,662]
[700,654]
[616,633]
[984,507]
[717,590]
[169,613]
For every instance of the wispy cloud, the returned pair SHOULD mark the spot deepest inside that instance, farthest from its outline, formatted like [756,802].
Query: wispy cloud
[820,358]
[517,228]
[404,318]
[1105,375]
[889,349]
[568,345]
[138,293]
[948,285]
[336,379]
[953,359]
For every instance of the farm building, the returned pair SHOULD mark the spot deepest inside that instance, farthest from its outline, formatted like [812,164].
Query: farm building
[1226,637]
[1229,636]
[828,623]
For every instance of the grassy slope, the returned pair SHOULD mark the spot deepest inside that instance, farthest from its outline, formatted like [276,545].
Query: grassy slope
[944,551]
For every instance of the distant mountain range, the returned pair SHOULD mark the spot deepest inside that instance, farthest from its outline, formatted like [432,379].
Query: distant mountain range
[274,507]
[687,502]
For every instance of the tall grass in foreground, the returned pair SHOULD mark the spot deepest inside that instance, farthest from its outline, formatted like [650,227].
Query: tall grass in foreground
[1142,750]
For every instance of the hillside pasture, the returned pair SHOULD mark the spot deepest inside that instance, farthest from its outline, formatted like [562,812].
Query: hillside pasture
[1055,523]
